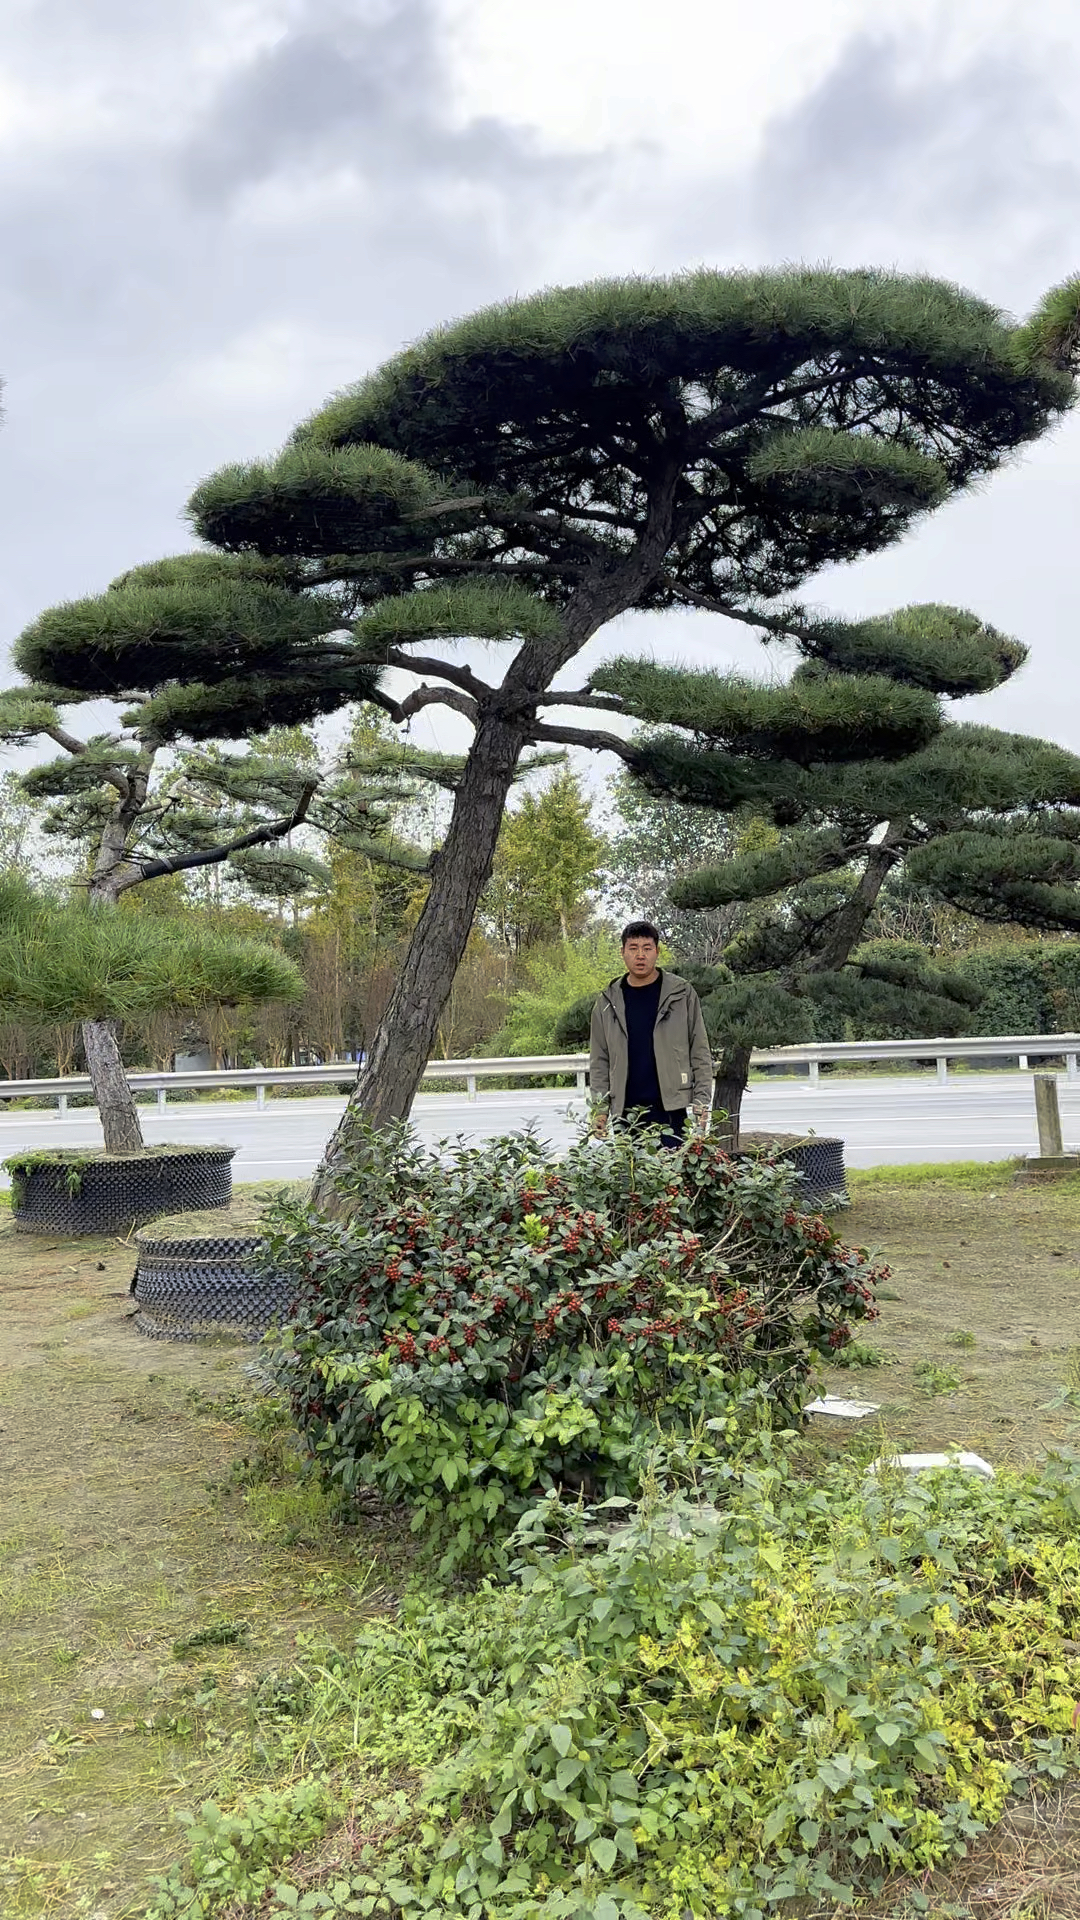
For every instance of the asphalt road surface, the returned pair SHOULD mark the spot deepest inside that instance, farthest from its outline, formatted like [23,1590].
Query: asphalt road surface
[985,1116]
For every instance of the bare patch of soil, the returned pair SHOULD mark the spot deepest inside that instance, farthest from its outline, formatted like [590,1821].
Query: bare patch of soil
[125,1529]
[980,1322]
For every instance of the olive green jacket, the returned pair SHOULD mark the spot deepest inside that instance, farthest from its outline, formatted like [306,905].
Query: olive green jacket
[680,1044]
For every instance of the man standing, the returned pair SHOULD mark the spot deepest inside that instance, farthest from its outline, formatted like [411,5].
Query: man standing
[649,1056]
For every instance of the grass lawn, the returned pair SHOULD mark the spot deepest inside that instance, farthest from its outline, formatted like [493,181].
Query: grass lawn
[160,1556]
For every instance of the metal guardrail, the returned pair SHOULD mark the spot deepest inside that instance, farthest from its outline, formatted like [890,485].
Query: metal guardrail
[1019,1047]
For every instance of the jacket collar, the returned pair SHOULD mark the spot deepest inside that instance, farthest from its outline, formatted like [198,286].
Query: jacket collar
[672,985]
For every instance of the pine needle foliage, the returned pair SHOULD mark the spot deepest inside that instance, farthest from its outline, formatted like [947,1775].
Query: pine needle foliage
[82,962]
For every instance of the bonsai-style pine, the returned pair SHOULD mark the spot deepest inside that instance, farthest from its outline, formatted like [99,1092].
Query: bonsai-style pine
[83,962]
[985,820]
[527,475]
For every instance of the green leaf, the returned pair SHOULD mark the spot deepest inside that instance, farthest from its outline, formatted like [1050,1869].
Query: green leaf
[604,1852]
[888,1732]
[561,1739]
[567,1771]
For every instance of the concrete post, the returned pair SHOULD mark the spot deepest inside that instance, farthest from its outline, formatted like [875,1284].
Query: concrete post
[260,1097]
[581,1082]
[470,1085]
[942,1069]
[162,1096]
[1048,1115]
[815,1072]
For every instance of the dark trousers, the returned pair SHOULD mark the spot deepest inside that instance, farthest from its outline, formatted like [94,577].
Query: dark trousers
[673,1122]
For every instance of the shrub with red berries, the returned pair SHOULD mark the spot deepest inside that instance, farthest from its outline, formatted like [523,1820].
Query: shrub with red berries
[491,1323]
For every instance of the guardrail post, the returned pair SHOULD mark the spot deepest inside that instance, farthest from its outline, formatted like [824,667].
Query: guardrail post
[942,1069]
[470,1085]
[1070,1066]
[815,1072]
[1048,1116]
[581,1083]
[1022,1062]
[260,1096]
[162,1096]
[61,1106]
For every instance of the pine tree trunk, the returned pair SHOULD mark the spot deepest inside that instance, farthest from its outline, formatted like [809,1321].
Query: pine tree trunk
[406,1038]
[115,1101]
[732,1078]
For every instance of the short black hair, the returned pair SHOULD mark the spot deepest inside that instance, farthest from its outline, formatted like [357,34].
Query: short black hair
[639,930]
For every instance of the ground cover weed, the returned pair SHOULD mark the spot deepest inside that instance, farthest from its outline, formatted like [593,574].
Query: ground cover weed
[702,1705]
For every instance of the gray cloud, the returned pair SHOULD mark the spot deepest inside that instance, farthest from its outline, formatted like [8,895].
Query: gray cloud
[891,145]
[225,209]
[216,244]
[362,88]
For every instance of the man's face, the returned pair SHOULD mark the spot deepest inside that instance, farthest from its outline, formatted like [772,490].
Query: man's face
[640,958]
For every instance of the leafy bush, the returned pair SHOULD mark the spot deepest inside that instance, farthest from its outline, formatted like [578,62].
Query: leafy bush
[785,1690]
[493,1323]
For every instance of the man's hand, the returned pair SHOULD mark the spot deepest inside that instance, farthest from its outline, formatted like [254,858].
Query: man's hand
[599,1122]
[702,1119]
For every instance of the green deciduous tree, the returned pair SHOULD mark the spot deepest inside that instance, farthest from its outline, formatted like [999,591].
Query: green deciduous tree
[531,473]
[979,820]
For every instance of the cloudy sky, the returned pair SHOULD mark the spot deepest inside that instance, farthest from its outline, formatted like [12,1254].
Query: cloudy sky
[215,212]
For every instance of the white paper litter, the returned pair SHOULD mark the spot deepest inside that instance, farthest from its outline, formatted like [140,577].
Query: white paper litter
[843,1409]
[921,1462]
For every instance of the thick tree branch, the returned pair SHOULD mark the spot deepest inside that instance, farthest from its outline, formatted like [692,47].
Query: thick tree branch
[583,698]
[587,737]
[438,697]
[212,856]
[458,676]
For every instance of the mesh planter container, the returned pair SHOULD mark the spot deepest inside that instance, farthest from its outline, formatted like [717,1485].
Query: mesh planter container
[819,1163]
[108,1193]
[206,1287]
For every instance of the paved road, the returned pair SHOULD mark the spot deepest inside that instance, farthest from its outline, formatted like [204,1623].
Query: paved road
[910,1118]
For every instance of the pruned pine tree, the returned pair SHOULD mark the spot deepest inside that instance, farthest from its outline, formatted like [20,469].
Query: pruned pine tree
[136,804]
[79,961]
[981,820]
[532,472]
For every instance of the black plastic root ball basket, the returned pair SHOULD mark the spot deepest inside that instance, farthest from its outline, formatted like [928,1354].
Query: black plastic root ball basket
[205,1288]
[106,1193]
[822,1181]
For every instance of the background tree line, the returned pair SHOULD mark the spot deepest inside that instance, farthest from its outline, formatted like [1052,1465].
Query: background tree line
[571,865]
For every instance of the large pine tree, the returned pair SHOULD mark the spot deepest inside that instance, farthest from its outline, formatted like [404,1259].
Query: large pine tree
[985,820]
[541,467]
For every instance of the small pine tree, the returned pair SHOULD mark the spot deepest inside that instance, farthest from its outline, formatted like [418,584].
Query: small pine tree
[81,962]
